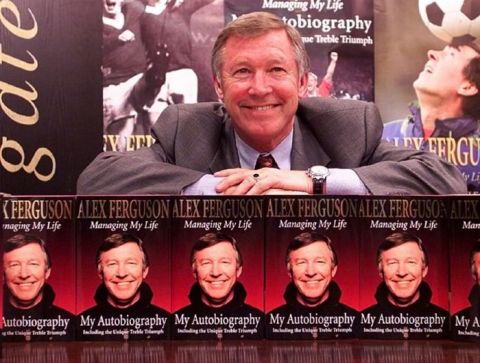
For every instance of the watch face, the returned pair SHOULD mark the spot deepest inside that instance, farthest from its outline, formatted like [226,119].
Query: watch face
[319,171]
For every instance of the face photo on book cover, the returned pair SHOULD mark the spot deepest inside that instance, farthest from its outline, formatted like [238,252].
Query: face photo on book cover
[312,298]
[28,294]
[215,280]
[217,296]
[400,265]
[308,267]
[404,298]
[124,307]
[123,267]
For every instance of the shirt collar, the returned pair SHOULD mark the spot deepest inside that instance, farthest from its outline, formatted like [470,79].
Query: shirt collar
[248,155]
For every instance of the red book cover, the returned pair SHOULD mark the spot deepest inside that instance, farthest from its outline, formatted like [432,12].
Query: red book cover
[123,255]
[38,253]
[404,254]
[465,268]
[217,246]
[312,268]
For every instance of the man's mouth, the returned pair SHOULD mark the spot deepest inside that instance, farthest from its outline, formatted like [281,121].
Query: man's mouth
[262,107]
[25,285]
[311,282]
[217,283]
[123,283]
[403,282]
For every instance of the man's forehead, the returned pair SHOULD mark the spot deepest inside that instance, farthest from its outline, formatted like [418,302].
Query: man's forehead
[404,250]
[312,249]
[126,248]
[275,37]
[26,250]
[218,249]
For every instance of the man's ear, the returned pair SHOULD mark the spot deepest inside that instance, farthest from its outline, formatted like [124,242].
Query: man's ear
[218,88]
[47,273]
[239,271]
[467,88]
[302,85]
[380,270]
[425,271]
[194,271]
[145,273]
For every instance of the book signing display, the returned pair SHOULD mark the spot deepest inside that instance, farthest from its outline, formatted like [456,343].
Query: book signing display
[223,268]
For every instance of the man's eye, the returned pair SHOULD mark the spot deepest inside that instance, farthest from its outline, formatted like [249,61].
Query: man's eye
[242,71]
[278,70]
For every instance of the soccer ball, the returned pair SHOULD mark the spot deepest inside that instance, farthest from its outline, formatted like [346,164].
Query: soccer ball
[453,21]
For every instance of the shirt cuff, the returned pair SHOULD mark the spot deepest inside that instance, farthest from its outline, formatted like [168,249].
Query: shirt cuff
[345,182]
[203,186]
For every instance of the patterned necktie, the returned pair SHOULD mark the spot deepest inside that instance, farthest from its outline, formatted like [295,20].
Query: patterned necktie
[266,161]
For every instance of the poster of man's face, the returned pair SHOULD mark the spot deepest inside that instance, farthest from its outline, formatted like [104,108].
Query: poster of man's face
[403,269]
[123,269]
[26,270]
[311,269]
[216,269]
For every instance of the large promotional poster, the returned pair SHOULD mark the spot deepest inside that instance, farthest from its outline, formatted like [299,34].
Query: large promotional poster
[123,254]
[160,55]
[426,85]
[38,253]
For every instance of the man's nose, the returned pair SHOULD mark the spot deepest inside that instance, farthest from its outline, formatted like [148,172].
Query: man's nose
[401,269]
[310,271]
[215,269]
[260,84]
[121,270]
[433,54]
[24,271]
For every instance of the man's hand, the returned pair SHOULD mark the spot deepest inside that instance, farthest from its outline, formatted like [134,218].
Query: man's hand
[127,36]
[263,181]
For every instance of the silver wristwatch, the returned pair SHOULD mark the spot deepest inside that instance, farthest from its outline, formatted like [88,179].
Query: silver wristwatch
[319,175]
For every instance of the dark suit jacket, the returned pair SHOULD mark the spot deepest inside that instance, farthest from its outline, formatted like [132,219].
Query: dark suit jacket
[197,139]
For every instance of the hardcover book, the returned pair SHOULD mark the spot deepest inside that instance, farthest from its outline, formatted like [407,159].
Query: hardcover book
[217,244]
[404,254]
[123,284]
[312,268]
[38,246]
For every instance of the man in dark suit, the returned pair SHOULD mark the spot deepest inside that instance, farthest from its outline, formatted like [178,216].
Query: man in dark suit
[260,68]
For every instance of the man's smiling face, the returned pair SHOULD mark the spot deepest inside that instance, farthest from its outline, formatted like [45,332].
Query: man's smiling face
[26,272]
[122,270]
[260,86]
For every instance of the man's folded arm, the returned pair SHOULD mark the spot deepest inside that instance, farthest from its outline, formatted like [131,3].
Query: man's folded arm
[403,171]
[142,171]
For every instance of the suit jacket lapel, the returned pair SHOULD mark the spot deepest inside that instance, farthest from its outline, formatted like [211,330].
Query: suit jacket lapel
[226,155]
[306,150]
